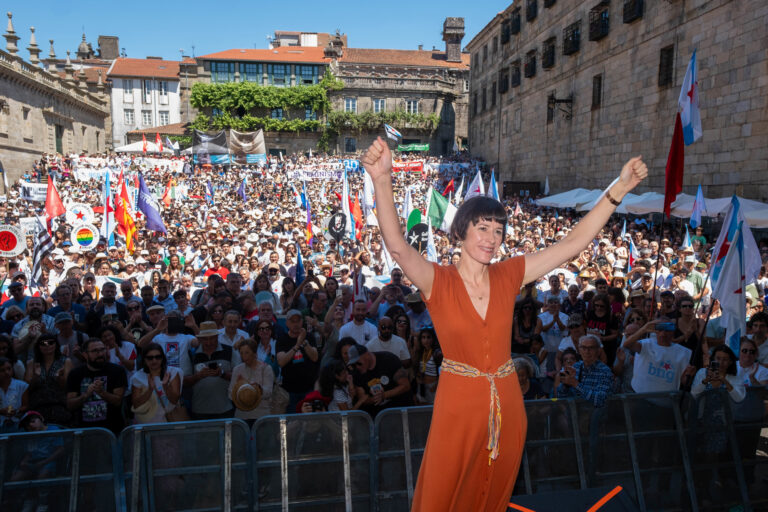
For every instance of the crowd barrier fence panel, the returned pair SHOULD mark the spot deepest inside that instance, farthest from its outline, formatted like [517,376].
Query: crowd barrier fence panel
[318,462]
[400,436]
[716,460]
[84,476]
[750,419]
[188,466]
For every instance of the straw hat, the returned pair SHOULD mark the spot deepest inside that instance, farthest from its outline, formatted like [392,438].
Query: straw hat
[208,329]
[245,396]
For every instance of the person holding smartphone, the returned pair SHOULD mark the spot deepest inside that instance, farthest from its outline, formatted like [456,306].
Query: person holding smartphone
[209,376]
[721,372]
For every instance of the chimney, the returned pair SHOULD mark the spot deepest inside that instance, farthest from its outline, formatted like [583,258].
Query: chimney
[421,47]
[453,33]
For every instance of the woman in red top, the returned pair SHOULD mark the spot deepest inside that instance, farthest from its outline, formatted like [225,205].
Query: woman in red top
[472,456]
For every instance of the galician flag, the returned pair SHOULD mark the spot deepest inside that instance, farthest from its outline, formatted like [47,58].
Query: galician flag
[148,206]
[730,291]
[345,207]
[752,261]
[391,132]
[493,187]
[431,248]
[623,230]
[687,240]
[476,188]
[699,207]
[689,104]
[633,254]
[440,211]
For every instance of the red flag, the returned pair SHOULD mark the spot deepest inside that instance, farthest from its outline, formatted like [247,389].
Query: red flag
[144,143]
[357,214]
[159,143]
[53,205]
[450,187]
[518,210]
[675,165]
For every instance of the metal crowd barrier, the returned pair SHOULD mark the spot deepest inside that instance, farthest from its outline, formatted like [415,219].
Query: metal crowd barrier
[83,475]
[668,450]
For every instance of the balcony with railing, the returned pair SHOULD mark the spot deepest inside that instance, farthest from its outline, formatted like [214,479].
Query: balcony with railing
[599,21]
[530,65]
[633,10]
[572,38]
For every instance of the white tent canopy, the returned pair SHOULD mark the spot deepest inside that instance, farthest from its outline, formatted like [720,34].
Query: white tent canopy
[138,147]
[582,199]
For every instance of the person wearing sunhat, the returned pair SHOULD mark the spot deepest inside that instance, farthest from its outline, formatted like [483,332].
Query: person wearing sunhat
[209,375]
[251,385]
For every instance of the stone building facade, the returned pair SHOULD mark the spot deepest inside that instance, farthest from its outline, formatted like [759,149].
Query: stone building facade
[41,112]
[417,81]
[570,90]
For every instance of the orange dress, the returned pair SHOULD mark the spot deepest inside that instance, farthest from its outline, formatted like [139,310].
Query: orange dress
[455,473]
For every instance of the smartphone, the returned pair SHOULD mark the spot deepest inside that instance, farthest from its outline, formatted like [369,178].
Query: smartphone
[213,365]
[714,366]
[318,405]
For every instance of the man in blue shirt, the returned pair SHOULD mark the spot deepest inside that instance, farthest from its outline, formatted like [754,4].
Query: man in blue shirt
[590,378]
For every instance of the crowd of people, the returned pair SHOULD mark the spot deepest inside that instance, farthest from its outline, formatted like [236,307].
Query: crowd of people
[243,308]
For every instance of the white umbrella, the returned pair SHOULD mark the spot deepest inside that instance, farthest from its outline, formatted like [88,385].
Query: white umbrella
[567,199]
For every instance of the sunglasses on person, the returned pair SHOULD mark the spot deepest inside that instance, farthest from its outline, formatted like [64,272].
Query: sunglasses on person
[47,343]
[153,357]
[262,329]
[749,351]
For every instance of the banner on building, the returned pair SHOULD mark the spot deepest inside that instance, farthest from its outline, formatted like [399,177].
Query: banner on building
[408,166]
[413,147]
[247,147]
[34,191]
[208,145]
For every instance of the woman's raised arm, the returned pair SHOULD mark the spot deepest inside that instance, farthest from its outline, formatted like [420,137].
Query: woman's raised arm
[378,164]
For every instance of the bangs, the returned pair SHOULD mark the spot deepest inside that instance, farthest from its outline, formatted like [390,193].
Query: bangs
[474,210]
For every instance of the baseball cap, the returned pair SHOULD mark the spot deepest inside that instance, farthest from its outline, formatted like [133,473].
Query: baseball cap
[293,312]
[690,259]
[28,417]
[62,317]
[355,351]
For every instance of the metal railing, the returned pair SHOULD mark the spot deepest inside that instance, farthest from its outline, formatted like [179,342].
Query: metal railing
[668,450]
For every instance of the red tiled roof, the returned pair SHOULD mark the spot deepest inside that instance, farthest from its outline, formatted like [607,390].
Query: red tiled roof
[420,58]
[168,129]
[150,68]
[91,75]
[300,54]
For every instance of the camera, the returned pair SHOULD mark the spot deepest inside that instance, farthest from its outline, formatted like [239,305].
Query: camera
[714,366]
[318,406]
[213,365]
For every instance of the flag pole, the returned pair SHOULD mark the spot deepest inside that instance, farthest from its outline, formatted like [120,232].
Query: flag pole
[656,271]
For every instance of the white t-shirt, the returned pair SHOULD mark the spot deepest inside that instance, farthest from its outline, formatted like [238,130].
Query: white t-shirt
[762,351]
[659,368]
[396,345]
[176,350]
[362,333]
[555,334]
[743,374]
[128,351]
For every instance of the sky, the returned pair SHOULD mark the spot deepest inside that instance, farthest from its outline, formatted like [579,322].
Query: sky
[163,28]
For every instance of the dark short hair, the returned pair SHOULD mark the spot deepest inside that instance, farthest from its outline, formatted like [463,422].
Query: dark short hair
[473,211]
[732,369]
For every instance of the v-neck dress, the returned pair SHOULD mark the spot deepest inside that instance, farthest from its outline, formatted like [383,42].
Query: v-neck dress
[455,473]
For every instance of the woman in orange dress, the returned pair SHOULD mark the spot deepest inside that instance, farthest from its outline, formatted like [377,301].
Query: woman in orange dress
[478,428]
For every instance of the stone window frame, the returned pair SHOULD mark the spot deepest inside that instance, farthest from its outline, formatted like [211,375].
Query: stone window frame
[572,38]
[146,117]
[164,114]
[274,76]
[548,53]
[132,113]
[350,104]
[379,105]
[412,106]
[127,90]
[254,74]
[597,91]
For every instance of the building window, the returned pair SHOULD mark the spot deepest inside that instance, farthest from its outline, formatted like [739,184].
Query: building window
[146,117]
[466,85]
[306,75]
[98,141]
[514,74]
[666,62]
[514,22]
[25,113]
[506,33]
[277,74]
[350,144]
[412,106]
[129,117]
[277,113]
[379,105]
[146,91]
[530,64]
[222,72]
[309,114]
[250,72]
[485,54]
[474,103]
[215,112]
[597,91]
[495,44]
[550,108]
[162,88]
[633,10]
[572,38]
[503,81]
[485,99]
[548,53]
[128,91]
[493,94]
[165,117]
[599,21]
[350,105]
[531,9]
[549,3]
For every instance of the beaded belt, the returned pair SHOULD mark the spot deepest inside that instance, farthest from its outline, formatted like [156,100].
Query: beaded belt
[494,414]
